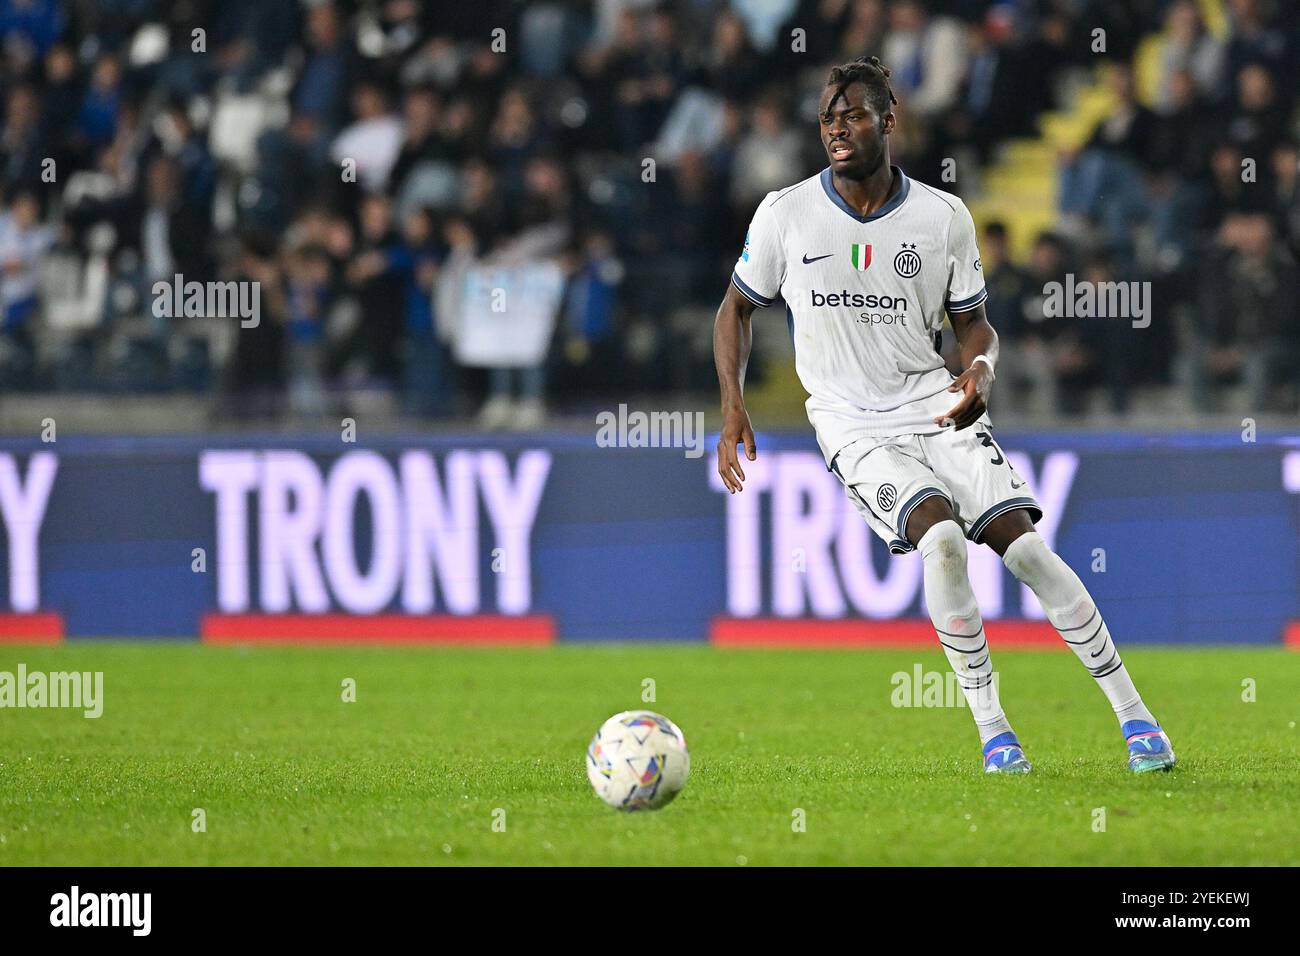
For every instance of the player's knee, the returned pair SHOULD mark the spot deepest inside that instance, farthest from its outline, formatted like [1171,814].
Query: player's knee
[1027,557]
[943,549]
[932,510]
[1030,559]
[1005,530]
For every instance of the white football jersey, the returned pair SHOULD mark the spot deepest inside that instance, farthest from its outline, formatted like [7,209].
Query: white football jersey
[865,297]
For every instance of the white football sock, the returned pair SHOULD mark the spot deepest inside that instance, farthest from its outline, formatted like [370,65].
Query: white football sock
[1078,620]
[956,617]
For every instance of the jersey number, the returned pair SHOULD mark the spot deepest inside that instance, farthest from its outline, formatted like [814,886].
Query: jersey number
[987,441]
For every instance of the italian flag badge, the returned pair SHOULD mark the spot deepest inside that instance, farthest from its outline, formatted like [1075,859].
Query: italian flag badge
[860,256]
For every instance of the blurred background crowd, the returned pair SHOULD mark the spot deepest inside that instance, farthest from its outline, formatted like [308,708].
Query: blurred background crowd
[356,158]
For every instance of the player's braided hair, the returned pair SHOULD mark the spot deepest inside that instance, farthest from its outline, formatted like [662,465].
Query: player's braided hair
[870,71]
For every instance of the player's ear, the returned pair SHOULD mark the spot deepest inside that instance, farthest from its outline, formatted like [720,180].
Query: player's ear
[887,123]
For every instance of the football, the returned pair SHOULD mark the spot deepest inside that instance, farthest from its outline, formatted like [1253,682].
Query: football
[638,761]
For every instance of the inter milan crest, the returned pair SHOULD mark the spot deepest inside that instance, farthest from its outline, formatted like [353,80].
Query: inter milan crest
[907,263]
[886,497]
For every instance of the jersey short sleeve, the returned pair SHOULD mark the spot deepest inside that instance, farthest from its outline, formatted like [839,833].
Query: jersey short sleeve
[760,270]
[965,276]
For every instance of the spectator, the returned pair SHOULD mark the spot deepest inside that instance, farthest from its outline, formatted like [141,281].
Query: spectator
[1007,283]
[1103,183]
[319,96]
[1257,119]
[197,169]
[765,155]
[1191,50]
[255,379]
[1247,332]
[97,119]
[24,243]
[426,384]
[370,353]
[24,145]
[307,300]
[1229,192]
[865,28]
[1030,335]
[928,56]
[591,360]
[424,145]
[373,141]
[61,95]
[515,136]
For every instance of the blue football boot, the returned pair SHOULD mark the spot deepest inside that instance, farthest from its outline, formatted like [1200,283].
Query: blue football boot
[1148,747]
[1003,754]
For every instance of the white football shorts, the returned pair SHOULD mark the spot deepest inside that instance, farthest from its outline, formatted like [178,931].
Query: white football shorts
[886,478]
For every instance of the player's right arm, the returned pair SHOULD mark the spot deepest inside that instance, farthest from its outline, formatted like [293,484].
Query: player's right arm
[732,337]
[755,283]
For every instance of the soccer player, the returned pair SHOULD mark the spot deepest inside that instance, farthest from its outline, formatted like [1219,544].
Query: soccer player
[867,261]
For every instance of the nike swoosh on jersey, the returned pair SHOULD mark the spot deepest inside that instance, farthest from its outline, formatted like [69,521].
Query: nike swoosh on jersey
[807,261]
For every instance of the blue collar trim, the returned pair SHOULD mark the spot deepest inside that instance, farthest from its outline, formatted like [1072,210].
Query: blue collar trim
[896,201]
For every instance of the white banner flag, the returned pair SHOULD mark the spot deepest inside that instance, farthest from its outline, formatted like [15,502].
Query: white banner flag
[506,315]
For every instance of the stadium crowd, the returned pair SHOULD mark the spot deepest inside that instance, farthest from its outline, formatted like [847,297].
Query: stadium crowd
[355,158]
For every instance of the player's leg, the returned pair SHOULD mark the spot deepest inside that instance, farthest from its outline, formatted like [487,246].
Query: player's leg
[901,499]
[933,530]
[1078,620]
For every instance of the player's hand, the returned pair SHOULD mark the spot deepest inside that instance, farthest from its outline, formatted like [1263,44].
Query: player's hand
[974,384]
[736,430]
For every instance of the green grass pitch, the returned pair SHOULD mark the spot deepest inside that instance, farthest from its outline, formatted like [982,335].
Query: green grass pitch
[439,740]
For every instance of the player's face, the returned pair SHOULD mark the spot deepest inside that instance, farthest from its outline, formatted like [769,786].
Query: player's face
[853,134]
